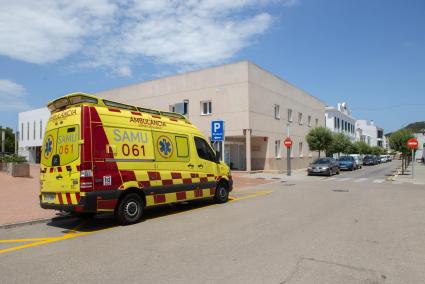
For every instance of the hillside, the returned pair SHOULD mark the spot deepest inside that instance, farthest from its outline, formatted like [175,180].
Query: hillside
[415,127]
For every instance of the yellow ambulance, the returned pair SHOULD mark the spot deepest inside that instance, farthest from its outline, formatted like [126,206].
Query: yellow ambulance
[103,156]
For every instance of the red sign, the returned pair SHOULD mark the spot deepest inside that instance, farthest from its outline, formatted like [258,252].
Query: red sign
[412,143]
[287,142]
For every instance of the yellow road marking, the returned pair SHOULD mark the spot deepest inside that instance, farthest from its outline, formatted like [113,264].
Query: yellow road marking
[73,232]
[24,240]
[258,193]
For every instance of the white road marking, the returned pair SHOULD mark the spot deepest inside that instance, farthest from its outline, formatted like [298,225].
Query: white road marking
[342,179]
[378,181]
[361,180]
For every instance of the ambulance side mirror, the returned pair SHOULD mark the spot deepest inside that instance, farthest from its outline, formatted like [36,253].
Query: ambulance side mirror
[217,156]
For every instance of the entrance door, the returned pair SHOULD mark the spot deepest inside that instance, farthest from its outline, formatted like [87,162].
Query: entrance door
[234,155]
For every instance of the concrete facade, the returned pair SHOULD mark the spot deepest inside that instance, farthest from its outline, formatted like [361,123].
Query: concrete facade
[339,120]
[31,127]
[258,109]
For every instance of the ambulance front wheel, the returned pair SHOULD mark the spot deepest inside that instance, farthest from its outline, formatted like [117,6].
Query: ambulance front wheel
[221,193]
[130,209]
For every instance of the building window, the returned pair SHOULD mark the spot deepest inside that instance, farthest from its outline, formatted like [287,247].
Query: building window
[34,130]
[181,108]
[337,123]
[28,131]
[22,131]
[41,129]
[317,122]
[277,149]
[290,115]
[300,149]
[300,118]
[206,108]
[309,120]
[277,111]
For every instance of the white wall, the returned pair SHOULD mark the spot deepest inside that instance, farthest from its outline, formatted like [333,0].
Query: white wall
[343,114]
[368,129]
[31,128]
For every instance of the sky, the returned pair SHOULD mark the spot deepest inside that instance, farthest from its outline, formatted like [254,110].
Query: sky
[368,53]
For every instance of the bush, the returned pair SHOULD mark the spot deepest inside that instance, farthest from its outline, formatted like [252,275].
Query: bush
[13,159]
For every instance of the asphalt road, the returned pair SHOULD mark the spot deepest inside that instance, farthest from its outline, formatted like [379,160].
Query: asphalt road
[315,230]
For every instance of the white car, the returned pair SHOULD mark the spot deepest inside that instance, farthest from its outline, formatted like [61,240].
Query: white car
[358,159]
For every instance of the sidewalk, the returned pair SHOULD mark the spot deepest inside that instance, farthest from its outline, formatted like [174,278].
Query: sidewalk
[296,175]
[19,196]
[419,174]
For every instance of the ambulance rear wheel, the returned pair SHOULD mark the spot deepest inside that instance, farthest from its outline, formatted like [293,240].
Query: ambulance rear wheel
[221,193]
[130,209]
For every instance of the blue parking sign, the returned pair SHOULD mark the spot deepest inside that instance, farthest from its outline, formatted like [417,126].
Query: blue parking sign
[217,130]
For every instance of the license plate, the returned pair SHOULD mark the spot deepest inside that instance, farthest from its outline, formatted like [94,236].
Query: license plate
[49,197]
[316,170]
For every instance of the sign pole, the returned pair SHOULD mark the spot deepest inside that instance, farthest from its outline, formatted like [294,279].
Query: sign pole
[413,163]
[288,160]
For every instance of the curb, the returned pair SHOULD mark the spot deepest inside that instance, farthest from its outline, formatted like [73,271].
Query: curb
[33,222]
[394,177]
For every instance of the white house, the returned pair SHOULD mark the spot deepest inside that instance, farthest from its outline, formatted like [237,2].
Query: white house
[369,133]
[339,120]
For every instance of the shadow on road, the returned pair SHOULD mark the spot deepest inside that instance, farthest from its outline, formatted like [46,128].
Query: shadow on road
[106,220]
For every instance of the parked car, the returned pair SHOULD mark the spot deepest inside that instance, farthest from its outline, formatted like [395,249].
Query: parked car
[383,158]
[389,158]
[378,160]
[347,163]
[369,160]
[324,166]
[358,159]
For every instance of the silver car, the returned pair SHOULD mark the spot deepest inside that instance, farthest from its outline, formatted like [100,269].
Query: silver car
[323,166]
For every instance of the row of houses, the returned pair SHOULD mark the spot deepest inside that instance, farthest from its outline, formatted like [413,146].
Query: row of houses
[259,110]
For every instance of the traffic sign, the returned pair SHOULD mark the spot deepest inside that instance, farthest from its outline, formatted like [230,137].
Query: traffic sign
[412,143]
[217,130]
[287,142]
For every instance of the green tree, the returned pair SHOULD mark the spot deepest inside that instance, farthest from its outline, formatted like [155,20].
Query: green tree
[361,148]
[319,139]
[9,140]
[376,150]
[340,144]
[398,142]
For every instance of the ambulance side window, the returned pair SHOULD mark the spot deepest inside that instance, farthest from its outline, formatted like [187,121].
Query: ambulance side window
[204,150]
[182,146]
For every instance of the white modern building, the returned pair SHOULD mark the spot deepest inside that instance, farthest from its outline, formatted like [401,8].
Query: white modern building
[420,152]
[339,120]
[258,108]
[31,127]
[369,133]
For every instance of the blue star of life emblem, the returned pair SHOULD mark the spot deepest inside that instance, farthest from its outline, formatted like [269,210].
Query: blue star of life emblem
[48,146]
[165,147]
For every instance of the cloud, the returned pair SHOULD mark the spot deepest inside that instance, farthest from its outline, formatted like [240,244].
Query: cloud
[116,34]
[12,96]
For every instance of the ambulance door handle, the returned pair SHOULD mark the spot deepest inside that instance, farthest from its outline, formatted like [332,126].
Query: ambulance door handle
[200,166]
[191,166]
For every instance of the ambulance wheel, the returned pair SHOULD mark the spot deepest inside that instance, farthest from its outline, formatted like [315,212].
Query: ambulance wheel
[221,193]
[130,209]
